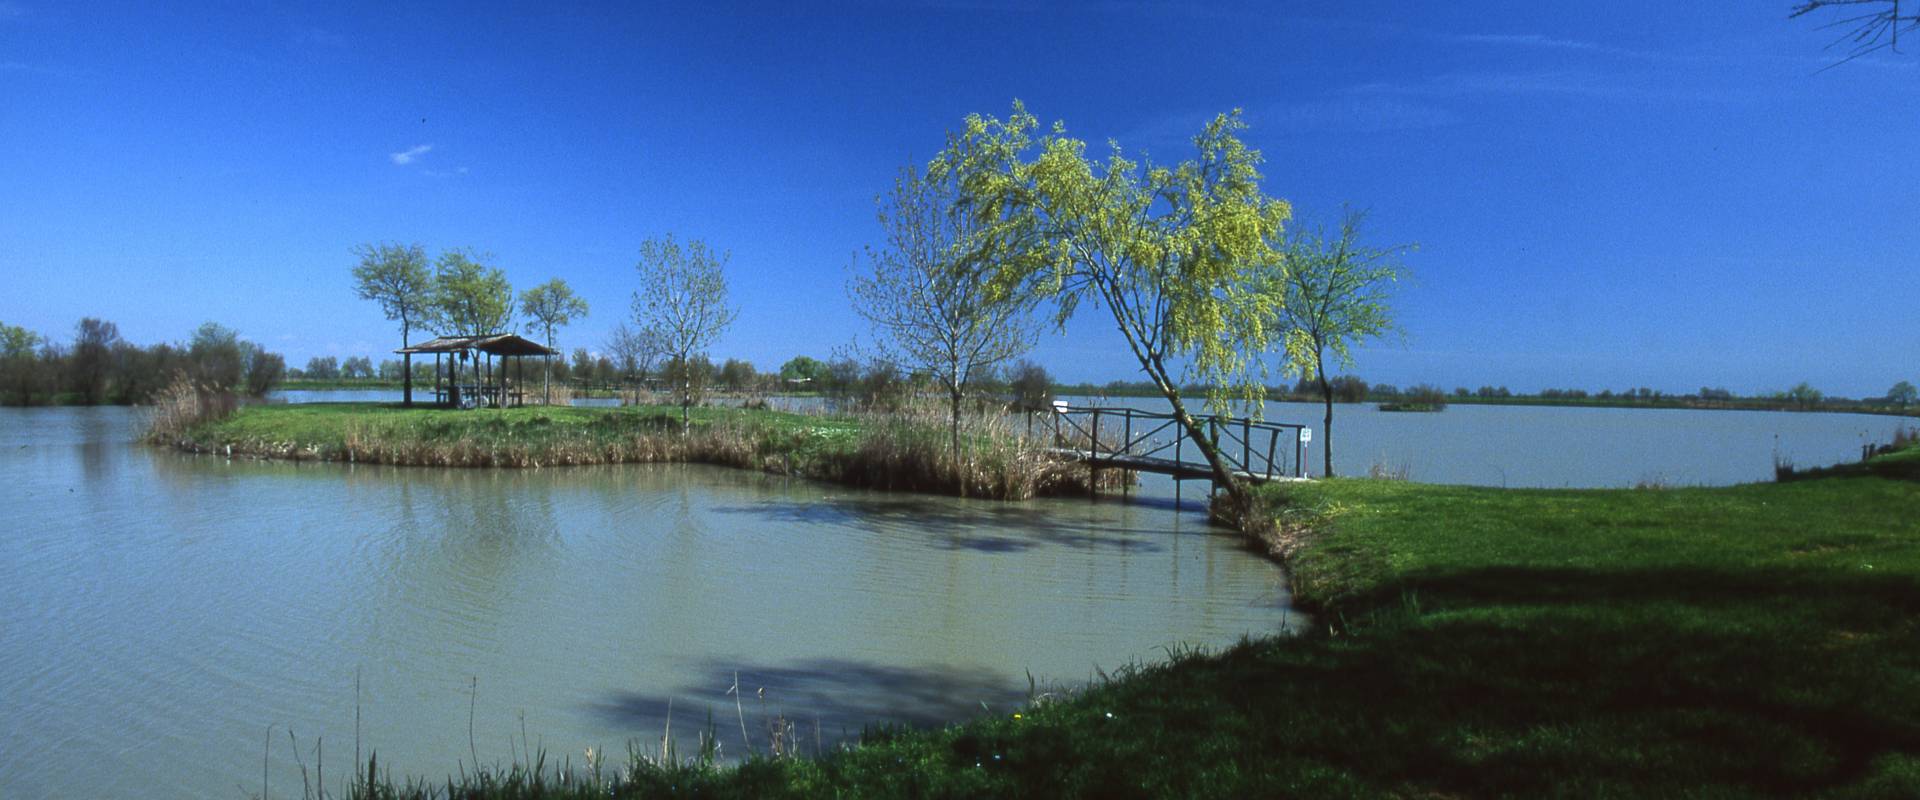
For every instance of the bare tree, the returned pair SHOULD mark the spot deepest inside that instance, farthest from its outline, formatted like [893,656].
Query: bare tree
[682,302]
[93,343]
[927,292]
[633,350]
[1866,25]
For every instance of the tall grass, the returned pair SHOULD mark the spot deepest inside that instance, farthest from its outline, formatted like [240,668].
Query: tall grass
[913,449]
[559,393]
[906,450]
[183,405]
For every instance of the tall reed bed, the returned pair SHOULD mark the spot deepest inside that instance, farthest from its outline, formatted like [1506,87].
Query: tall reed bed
[908,450]
[913,449]
[184,405]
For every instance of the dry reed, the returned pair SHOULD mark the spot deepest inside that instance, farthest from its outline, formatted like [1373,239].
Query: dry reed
[184,405]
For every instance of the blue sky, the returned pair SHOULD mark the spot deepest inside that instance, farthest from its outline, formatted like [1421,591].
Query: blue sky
[1604,195]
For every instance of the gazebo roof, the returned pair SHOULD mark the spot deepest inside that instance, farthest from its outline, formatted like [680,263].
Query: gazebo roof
[499,344]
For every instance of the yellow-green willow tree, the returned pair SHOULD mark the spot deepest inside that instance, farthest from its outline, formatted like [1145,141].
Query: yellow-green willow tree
[1175,254]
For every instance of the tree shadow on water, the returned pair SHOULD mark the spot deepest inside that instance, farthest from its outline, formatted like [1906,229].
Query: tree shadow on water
[839,696]
[980,528]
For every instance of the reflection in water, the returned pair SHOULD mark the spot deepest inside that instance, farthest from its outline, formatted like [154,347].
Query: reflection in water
[160,610]
[986,527]
[840,696]
[163,609]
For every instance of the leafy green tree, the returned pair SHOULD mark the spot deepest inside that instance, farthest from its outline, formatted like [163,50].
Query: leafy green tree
[1903,394]
[396,277]
[803,368]
[264,371]
[682,302]
[322,369]
[469,297]
[737,375]
[1176,255]
[357,368]
[1335,293]
[927,295]
[582,365]
[1349,389]
[19,370]
[1804,396]
[219,361]
[547,306]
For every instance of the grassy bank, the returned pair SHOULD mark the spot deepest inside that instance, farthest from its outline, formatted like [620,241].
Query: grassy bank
[898,451]
[1759,640]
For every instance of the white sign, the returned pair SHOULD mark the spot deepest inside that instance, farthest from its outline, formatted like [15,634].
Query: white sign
[1306,434]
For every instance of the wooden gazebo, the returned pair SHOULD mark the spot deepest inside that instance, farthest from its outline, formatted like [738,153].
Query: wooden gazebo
[481,383]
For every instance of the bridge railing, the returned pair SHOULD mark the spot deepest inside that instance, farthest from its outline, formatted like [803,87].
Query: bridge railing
[1264,450]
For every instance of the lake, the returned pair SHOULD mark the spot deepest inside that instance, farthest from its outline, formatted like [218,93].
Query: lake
[1557,446]
[163,612]
[1536,446]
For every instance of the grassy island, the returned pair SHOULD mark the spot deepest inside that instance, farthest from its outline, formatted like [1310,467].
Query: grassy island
[1756,640]
[888,451]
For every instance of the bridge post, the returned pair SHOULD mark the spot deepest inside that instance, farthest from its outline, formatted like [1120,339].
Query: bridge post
[1213,438]
[1246,444]
[1093,453]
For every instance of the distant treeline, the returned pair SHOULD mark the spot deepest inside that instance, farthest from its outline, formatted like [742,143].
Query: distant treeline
[1351,389]
[863,384]
[99,367]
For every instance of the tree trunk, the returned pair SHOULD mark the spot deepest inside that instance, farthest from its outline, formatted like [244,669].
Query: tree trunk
[1222,475]
[956,424]
[1326,432]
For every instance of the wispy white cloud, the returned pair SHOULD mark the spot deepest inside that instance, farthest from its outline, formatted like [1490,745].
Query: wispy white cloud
[1532,40]
[23,68]
[1340,112]
[1352,113]
[410,154]
[1564,83]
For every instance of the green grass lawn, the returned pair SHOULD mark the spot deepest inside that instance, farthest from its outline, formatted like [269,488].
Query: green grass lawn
[1749,641]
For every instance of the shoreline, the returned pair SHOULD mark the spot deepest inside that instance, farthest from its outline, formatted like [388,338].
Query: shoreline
[883,452]
[1472,641]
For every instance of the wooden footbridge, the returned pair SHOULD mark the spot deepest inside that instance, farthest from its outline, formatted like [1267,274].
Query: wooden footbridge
[1151,441]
